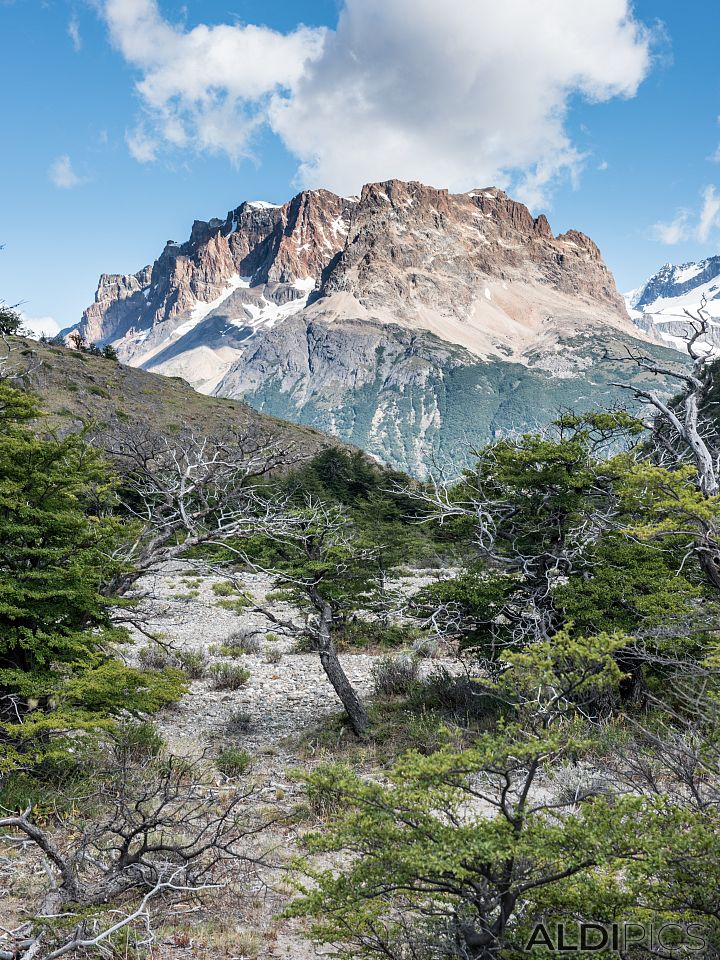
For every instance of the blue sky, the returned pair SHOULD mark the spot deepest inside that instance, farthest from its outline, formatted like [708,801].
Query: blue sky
[125,120]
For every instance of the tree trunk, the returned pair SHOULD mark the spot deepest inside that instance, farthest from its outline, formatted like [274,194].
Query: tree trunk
[359,720]
[709,555]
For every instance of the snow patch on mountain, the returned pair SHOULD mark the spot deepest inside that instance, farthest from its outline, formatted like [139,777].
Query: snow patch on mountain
[664,306]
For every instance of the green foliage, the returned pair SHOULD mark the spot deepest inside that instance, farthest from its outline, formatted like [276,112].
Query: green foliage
[233,762]
[452,837]
[236,605]
[361,633]
[229,676]
[193,663]
[224,588]
[138,742]
[567,538]
[632,587]
[10,322]
[58,534]
[112,688]
[393,676]
[396,525]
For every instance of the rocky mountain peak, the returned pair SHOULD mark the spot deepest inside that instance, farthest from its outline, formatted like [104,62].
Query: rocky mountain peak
[308,306]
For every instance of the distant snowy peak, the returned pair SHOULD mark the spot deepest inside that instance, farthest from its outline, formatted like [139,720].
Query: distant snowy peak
[659,306]
[673,282]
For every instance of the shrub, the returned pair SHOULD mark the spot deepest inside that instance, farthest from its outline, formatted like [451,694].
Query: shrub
[305,643]
[223,589]
[426,733]
[155,657]
[233,762]
[371,633]
[239,721]
[575,784]
[464,699]
[139,742]
[236,604]
[394,676]
[426,647]
[229,676]
[324,800]
[248,944]
[228,650]
[193,662]
[272,637]
[273,655]
[245,642]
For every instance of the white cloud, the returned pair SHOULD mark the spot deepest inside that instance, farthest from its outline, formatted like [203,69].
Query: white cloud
[708,214]
[682,228]
[74,33]
[207,87]
[673,232]
[62,174]
[142,147]
[460,93]
[40,326]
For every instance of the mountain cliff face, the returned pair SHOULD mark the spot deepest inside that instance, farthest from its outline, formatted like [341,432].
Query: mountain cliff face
[409,320]
[658,306]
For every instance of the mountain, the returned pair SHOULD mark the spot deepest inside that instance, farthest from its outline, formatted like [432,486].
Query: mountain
[410,321]
[657,307]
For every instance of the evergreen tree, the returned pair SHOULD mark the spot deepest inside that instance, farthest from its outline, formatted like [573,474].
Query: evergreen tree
[57,538]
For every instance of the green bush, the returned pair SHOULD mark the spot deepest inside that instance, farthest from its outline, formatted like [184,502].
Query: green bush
[223,589]
[193,663]
[236,604]
[244,643]
[155,656]
[394,676]
[371,633]
[139,742]
[229,676]
[233,762]
[461,698]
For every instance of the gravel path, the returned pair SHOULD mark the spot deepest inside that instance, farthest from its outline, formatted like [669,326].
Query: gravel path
[281,698]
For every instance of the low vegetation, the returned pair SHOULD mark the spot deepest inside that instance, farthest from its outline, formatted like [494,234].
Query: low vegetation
[542,744]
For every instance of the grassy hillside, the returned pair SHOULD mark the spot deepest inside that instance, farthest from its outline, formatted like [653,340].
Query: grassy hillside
[78,388]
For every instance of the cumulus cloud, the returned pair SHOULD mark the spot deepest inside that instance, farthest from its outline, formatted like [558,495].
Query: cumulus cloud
[460,93]
[688,226]
[62,174]
[40,326]
[208,87]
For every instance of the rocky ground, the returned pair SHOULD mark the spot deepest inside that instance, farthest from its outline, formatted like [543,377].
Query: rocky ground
[285,698]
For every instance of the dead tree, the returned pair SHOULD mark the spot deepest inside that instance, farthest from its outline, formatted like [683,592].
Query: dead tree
[158,830]
[679,431]
[187,491]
